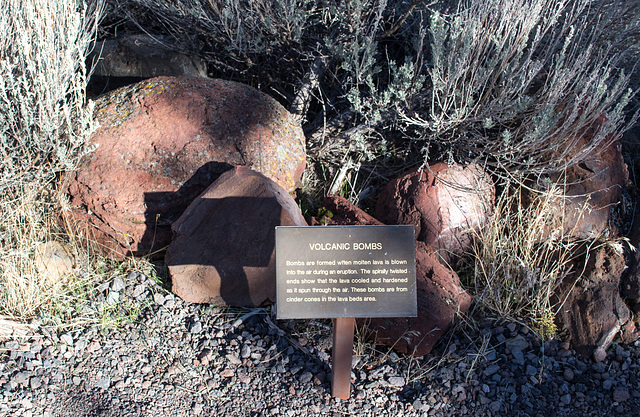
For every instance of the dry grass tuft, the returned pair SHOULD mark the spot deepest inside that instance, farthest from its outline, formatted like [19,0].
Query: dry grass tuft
[44,124]
[519,261]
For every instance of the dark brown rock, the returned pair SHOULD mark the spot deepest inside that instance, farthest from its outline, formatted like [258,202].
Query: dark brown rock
[134,57]
[440,299]
[592,312]
[338,211]
[224,247]
[591,190]
[144,56]
[161,142]
[442,202]
[630,281]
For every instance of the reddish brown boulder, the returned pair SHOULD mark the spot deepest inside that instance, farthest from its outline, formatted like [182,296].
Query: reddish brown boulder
[338,211]
[591,190]
[440,299]
[443,203]
[223,251]
[592,312]
[161,142]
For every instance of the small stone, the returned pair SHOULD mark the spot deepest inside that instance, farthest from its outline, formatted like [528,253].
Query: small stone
[244,378]
[117,285]
[568,374]
[233,358]
[566,399]
[138,291]
[306,377]
[205,356]
[517,342]
[621,395]
[103,383]
[76,380]
[495,406]
[12,345]
[396,381]
[67,339]
[491,369]
[173,370]
[35,383]
[197,408]
[26,404]
[607,384]
[518,356]
[246,351]
[21,378]
[93,346]
[158,298]
[599,354]
[113,298]
[146,384]
[169,301]
[227,373]
[531,370]
[196,327]
[35,348]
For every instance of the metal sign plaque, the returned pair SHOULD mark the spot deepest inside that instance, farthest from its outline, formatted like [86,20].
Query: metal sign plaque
[345,271]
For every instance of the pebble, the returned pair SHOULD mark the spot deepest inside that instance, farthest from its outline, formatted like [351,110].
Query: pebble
[569,374]
[196,328]
[190,360]
[491,369]
[35,383]
[158,298]
[103,383]
[599,354]
[306,377]
[67,339]
[621,395]
[518,356]
[117,284]
[396,381]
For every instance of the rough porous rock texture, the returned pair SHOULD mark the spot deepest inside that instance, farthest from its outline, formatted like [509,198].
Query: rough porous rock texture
[440,299]
[161,142]
[593,190]
[341,212]
[224,247]
[443,202]
[593,313]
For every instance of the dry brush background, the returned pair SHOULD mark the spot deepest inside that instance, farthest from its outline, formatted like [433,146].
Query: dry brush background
[379,87]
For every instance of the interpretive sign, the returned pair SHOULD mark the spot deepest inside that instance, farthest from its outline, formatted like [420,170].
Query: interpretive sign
[345,271]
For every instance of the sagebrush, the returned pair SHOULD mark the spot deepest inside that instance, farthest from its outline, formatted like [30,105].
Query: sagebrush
[44,124]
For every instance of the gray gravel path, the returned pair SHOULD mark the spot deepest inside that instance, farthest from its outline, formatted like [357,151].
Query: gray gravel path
[188,360]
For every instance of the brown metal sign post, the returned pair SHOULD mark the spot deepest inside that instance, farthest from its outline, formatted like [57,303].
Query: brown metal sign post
[343,330]
[344,273]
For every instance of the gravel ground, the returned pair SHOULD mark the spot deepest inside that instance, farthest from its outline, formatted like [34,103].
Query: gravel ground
[182,359]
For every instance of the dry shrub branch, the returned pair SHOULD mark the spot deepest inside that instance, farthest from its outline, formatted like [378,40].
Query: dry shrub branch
[44,124]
